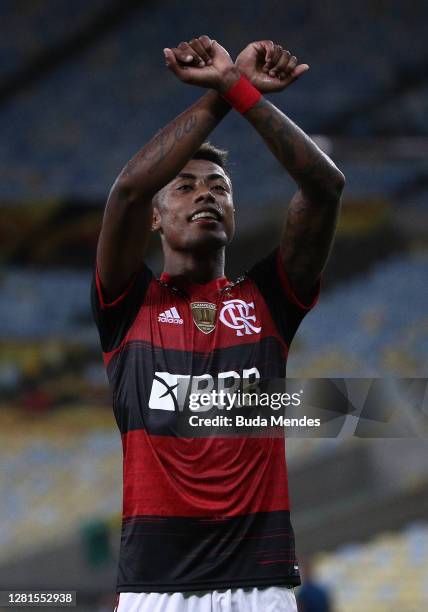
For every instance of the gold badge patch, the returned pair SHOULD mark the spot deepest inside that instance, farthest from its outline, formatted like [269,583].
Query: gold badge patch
[204,316]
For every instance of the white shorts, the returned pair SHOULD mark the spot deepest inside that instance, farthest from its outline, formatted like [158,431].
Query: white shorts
[271,599]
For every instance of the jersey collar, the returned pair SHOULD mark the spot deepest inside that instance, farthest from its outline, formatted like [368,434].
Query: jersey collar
[214,286]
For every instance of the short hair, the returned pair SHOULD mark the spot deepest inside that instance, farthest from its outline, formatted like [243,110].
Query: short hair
[213,154]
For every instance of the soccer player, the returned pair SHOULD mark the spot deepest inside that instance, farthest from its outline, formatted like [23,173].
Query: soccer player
[206,519]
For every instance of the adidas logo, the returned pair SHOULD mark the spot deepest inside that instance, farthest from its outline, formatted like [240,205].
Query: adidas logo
[170,316]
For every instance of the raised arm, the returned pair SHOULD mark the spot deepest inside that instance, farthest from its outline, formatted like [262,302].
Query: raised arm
[311,217]
[312,214]
[128,214]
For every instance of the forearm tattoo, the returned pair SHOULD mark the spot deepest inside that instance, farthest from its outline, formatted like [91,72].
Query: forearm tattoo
[301,157]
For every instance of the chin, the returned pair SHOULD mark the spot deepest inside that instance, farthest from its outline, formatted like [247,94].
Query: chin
[208,243]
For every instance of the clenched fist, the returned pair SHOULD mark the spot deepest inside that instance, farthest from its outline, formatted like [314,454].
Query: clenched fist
[202,62]
[268,66]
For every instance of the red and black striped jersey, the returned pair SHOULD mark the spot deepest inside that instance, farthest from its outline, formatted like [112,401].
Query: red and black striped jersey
[199,512]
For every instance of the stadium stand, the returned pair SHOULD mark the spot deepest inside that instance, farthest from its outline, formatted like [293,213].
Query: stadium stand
[34,27]
[58,142]
[72,455]
[387,573]
[35,314]
[378,332]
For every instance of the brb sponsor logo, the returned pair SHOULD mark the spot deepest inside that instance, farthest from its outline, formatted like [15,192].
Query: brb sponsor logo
[238,315]
[172,391]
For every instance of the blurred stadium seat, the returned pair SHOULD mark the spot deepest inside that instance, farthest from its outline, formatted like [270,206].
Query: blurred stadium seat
[73,131]
[57,472]
[33,27]
[388,573]
[363,326]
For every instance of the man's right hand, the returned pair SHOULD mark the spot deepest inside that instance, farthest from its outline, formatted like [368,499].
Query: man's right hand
[202,62]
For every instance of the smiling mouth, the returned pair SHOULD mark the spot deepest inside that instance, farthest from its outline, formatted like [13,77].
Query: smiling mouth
[207,215]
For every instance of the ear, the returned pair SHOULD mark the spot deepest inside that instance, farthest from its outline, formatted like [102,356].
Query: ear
[156,219]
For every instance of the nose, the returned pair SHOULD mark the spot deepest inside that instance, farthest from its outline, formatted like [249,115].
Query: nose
[204,194]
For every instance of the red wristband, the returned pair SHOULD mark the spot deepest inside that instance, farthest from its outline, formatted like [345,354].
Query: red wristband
[242,95]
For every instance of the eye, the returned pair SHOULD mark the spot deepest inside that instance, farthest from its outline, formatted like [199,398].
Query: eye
[184,187]
[219,187]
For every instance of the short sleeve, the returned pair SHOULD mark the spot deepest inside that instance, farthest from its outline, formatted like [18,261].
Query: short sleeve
[113,319]
[286,309]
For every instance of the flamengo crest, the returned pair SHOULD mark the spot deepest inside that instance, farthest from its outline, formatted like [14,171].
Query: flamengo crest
[236,314]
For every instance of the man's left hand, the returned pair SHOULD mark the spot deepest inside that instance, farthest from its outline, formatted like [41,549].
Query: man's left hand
[268,66]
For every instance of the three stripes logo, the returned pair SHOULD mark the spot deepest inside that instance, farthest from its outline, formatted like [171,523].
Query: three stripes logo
[170,316]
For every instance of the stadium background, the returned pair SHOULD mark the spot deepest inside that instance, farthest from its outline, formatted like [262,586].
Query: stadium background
[82,86]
